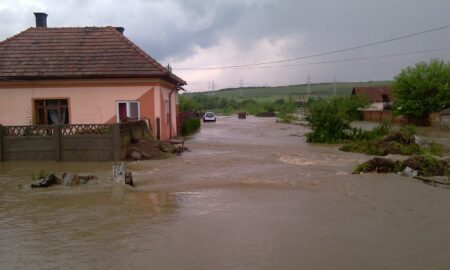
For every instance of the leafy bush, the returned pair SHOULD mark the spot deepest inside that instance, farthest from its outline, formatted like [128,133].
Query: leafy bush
[382,141]
[408,130]
[367,147]
[279,101]
[330,119]
[408,150]
[286,112]
[286,118]
[203,102]
[288,107]
[228,110]
[190,126]
[426,165]
[422,89]
[434,149]
[379,131]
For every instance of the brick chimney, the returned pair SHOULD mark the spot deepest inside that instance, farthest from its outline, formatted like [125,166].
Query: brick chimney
[120,29]
[41,19]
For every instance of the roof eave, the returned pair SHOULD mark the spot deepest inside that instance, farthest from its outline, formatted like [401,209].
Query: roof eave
[173,79]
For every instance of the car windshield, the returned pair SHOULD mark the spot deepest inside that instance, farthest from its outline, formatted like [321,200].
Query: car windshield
[209,114]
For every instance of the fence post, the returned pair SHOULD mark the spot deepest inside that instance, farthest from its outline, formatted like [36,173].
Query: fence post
[57,142]
[117,144]
[1,143]
[158,128]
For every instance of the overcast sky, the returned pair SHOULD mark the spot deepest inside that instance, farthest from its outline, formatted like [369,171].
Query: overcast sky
[208,33]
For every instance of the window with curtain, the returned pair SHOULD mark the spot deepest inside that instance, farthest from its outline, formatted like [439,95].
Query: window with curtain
[127,110]
[51,111]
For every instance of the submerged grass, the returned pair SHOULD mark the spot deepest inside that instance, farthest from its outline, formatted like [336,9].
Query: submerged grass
[382,141]
[424,164]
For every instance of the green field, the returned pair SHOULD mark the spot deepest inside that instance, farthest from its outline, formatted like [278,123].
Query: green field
[273,93]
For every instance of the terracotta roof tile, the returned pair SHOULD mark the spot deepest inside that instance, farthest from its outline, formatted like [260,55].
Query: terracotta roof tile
[46,53]
[373,93]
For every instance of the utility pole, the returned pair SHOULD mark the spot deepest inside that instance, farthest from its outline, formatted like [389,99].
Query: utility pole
[308,88]
[242,90]
[213,88]
[334,88]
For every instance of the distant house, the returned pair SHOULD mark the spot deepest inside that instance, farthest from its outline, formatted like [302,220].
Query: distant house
[380,97]
[84,75]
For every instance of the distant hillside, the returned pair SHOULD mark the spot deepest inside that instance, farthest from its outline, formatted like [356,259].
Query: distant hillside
[276,92]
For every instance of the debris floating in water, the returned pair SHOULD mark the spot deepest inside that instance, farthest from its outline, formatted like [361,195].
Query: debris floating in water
[68,179]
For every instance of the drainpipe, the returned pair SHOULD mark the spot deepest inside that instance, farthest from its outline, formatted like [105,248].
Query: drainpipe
[170,111]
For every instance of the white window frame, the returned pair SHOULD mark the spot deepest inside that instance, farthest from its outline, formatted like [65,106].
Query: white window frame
[127,102]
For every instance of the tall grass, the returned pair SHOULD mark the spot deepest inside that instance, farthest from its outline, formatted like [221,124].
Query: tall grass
[190,126]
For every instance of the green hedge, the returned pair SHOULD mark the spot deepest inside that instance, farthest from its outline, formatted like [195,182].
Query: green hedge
[190,126]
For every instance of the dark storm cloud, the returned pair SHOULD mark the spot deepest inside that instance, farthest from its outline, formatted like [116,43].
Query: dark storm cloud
[202,25]
[174,28]
[177,30]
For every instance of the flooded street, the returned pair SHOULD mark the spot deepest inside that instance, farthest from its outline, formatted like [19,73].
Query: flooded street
[250,194]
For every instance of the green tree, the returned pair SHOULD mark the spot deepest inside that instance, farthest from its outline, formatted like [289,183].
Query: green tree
[330,119]
[422,89]
[187,104]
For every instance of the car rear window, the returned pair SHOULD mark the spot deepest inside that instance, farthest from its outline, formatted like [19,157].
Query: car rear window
[209,114]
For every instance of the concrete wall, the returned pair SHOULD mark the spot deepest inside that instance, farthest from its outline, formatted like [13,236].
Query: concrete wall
[30,143]
[445,121]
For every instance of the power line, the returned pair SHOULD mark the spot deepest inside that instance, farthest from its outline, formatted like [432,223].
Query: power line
[355,59]
[339,61]
[370,44]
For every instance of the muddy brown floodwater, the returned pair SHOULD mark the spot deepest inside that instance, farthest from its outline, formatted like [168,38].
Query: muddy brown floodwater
[251,194]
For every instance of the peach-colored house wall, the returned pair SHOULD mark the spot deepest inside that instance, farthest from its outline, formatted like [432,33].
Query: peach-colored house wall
[88,103]
[167,95]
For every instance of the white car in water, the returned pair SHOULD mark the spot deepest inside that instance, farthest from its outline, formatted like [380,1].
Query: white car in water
[209,117]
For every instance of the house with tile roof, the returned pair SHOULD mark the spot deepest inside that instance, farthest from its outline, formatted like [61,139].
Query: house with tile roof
[84,75]
[380,97]
[381,100]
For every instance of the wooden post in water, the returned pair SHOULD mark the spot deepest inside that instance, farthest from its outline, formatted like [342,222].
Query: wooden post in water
[121,175]
[117,144]
[1,143]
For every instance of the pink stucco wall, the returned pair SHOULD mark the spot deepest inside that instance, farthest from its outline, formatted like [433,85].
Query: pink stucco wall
[88,104]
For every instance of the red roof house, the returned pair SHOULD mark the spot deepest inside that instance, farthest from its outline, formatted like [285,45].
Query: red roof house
[84,75]
[380,97]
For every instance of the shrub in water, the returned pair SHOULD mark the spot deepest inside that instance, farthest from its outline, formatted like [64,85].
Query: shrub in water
[190,126]
[330,119]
